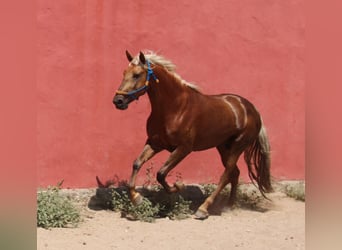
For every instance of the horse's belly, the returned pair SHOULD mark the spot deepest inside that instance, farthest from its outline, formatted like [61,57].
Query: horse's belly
[210,139]
[207,145]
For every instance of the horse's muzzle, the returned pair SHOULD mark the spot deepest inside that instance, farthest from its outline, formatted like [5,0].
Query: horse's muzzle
[121,102]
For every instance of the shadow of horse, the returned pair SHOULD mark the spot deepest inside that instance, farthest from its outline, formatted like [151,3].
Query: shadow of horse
[195,194]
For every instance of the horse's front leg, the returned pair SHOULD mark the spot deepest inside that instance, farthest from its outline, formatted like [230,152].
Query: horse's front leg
[176,156]
[147,153]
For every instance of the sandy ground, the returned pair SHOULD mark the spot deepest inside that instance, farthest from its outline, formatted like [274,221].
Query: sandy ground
[280,224]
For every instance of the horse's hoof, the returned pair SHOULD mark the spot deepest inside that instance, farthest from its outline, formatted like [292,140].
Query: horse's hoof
[179,185]
[201,214]
[137,199]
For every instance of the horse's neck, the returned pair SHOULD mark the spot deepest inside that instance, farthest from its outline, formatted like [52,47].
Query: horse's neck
[168,95]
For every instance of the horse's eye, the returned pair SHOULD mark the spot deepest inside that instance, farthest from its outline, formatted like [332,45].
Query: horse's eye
[136,76]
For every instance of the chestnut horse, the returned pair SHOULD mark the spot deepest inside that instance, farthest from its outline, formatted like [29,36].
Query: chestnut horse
[183,120]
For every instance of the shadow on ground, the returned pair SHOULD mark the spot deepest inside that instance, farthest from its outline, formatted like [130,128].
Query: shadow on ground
[247,198]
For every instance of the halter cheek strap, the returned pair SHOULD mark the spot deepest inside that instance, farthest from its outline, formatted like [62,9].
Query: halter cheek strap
[143,88]
[149,74]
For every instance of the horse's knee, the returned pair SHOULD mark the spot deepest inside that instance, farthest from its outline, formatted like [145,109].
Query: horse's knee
[136,165]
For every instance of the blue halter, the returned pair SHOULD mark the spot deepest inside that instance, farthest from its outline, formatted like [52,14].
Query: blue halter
[150,73]
[132,93]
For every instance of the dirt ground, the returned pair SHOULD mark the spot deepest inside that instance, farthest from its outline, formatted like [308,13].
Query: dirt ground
[276,224]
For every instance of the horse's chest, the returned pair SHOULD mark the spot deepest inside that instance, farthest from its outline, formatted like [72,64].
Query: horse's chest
[166,135]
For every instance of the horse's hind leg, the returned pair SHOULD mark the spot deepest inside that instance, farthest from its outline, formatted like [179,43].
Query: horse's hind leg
[234,180]
[231,174]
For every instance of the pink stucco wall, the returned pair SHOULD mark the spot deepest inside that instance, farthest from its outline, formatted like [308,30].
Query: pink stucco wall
[254,48]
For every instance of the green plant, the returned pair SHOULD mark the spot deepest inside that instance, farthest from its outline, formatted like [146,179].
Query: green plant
[55,210]
[296,191]
[143,212]
[160,205]
[120,201]
[248,198]
[177,208]
[208,189]
[150,180]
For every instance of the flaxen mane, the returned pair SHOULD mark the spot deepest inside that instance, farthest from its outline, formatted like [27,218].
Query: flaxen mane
[168,65]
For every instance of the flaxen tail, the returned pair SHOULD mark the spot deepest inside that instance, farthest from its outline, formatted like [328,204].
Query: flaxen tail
[257,157]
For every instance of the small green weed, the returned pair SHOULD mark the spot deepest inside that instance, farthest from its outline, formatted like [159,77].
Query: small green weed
[144,212]
[150,180]
[244,197]
[174,207]
[55,210]
[296,191]
[177,208]
[250,198]
[208,189]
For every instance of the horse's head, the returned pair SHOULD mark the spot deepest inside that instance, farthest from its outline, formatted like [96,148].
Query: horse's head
[135,81]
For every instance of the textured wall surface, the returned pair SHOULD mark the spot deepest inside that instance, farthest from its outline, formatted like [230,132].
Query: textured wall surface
[254,48]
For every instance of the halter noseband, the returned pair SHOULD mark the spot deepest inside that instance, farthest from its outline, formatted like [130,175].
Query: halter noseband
[143,88]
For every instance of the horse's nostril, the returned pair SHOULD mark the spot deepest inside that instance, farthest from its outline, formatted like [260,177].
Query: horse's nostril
[119,102]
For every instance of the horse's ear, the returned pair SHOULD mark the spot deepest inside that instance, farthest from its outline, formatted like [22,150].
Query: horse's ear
[129,57]
[142,58]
